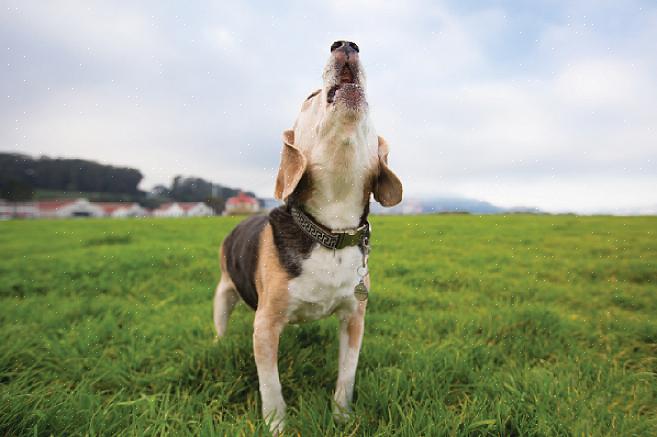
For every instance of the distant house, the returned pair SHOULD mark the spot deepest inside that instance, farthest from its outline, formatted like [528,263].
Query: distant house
[183,209]
[18,210]
[241,204]
[68,208]
[169,209]
[122,209]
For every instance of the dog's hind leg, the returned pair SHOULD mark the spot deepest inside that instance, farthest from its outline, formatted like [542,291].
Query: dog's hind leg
[225,299]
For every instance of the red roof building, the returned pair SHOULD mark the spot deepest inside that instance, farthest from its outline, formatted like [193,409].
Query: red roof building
[241,204]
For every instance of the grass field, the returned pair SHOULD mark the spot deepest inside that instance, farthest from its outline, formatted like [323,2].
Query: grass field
[493,325]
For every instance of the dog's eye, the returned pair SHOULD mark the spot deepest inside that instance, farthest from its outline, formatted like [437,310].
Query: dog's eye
[354,46]
[313,94]
[335,45]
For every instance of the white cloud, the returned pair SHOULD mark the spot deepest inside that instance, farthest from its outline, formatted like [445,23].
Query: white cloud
[222,37]
[122,34]
[599,82]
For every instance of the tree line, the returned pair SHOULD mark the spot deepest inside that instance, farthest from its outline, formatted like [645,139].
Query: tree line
[23,177]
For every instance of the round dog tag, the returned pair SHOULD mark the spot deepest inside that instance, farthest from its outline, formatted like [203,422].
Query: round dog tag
[360,291]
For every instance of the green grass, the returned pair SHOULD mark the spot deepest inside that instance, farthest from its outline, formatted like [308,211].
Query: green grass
[493,325]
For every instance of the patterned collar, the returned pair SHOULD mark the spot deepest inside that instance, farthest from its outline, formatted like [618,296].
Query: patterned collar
[328,238]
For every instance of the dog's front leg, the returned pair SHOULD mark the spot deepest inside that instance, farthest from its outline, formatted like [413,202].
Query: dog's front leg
[267,329]
[351,336]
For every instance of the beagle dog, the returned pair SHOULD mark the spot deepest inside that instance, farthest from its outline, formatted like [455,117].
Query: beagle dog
[307,259]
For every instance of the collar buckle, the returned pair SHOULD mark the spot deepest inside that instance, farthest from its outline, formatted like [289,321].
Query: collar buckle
[351,237]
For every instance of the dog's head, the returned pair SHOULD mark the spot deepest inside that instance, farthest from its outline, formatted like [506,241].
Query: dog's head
[340,103]
[344,80]
[332,115]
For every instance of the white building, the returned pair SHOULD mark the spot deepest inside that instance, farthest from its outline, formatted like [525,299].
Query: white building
[170,209]
[122,209]
[183,209]
[68,208]
[18,210]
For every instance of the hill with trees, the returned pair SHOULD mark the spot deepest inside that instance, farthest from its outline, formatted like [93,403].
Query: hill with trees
[21,176]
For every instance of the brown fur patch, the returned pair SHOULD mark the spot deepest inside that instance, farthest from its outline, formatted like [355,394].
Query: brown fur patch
[222,258]
[292,167]
[388,188]
[271,278]
[356,324]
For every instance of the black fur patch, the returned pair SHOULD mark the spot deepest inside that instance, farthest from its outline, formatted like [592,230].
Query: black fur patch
[292,243]
[241,252]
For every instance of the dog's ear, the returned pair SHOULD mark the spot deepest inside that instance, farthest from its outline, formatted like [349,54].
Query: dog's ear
[388,187]
[293,165]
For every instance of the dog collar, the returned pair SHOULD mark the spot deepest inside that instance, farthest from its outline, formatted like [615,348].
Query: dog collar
[328,238]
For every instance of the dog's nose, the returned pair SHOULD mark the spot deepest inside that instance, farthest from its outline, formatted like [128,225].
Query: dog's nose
[345,48]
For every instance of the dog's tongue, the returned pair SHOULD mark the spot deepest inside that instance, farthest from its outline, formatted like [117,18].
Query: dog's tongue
[346,76]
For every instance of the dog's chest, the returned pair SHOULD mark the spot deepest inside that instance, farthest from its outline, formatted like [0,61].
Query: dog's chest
[326,284]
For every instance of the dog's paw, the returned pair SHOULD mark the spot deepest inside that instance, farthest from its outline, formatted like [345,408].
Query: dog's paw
[341,414]
[275,416]
[276,426]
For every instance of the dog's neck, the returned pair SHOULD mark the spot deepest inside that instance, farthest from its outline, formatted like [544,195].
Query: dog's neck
[340,176]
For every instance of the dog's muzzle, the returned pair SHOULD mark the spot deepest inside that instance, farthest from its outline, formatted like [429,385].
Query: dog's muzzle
[346,69]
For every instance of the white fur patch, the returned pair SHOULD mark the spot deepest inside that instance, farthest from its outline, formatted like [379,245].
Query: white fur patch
[326,284]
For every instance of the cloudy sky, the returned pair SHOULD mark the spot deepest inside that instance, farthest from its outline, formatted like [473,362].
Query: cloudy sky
[547,103]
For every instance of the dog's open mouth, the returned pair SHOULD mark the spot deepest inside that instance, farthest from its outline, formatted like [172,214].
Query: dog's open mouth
[347,79]
[346,75]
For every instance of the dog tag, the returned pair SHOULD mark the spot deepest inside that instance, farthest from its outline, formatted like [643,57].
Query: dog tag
[360,291]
